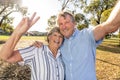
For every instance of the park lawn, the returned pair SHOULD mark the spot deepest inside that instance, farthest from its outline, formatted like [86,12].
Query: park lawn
[107,56]
[24,38]
[108,60]
[3,37]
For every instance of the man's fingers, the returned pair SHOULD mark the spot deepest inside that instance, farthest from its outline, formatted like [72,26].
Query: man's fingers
[40,44]
[37,44]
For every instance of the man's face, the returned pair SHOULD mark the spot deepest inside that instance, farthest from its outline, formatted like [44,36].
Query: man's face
[66,26]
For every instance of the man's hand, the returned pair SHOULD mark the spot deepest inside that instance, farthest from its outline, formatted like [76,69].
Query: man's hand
[37,44]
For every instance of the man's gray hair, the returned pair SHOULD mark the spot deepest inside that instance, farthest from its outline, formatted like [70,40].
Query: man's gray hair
[65,14]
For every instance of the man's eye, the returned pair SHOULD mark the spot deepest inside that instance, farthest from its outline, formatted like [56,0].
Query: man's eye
[67,22]
[60,24]
[54,35]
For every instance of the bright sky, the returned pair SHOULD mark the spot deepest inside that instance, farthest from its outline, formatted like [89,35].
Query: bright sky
[44,9]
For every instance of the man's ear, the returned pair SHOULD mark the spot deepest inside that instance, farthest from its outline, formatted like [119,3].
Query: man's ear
[75,23]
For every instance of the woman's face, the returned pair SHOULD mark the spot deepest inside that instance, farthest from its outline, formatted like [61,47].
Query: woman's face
[55,39]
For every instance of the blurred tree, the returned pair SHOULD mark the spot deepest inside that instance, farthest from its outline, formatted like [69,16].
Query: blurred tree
[64,4]
[104,17]
[90,11]
[67,5]
[51,22]
[7,28]
[81,21]
[7,7]
[95,8]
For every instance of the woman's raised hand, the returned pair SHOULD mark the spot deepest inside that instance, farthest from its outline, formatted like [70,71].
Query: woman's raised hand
[26,23]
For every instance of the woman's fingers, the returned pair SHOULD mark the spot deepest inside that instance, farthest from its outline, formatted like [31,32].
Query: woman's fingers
[34,21]
[32,17]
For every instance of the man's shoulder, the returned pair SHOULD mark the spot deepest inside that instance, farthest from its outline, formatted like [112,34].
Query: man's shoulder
[85,31]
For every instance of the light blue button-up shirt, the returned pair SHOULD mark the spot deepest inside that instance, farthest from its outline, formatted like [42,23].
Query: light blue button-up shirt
[79,53]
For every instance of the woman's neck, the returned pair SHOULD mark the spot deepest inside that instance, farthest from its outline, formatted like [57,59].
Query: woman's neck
[53,50]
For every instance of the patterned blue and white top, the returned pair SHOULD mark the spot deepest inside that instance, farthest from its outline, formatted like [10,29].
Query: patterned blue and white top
[44,66]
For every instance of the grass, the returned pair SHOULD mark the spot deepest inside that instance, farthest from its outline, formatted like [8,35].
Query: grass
[108,60]
[107,56]
[24,38]
[2,37]
[14,71]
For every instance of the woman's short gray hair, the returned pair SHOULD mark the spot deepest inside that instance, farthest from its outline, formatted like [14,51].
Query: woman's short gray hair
[55,29]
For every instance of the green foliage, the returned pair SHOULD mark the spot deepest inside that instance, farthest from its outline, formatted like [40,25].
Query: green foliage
[92,9]
[81,26]
[81,21]
[119,37]
[4,37]
[8,7]
[51,22]
[79,17]
[119,34]
[7,28]
[105,15]
[96,7]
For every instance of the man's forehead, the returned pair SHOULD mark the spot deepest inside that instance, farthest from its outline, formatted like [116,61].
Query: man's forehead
[65,17]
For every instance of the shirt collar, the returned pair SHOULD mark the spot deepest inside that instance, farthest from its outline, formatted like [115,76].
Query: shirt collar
[50,53]
[74,34]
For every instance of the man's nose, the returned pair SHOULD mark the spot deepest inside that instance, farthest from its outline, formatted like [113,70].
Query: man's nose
[64,26]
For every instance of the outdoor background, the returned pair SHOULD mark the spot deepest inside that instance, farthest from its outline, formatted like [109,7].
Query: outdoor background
[107,60]
[87,13]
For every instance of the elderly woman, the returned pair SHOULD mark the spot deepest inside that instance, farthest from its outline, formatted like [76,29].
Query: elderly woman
[45,62]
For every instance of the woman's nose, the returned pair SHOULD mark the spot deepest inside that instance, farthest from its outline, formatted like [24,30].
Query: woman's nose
[57,37]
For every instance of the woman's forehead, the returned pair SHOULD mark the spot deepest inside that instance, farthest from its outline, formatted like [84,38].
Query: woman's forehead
[56,33]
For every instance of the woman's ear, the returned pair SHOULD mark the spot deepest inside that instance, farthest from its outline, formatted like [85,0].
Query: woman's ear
[48,39]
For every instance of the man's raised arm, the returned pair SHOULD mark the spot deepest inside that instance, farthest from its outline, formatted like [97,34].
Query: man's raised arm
[110,25]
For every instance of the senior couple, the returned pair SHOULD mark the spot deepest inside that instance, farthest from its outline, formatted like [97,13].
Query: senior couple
[70,53]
